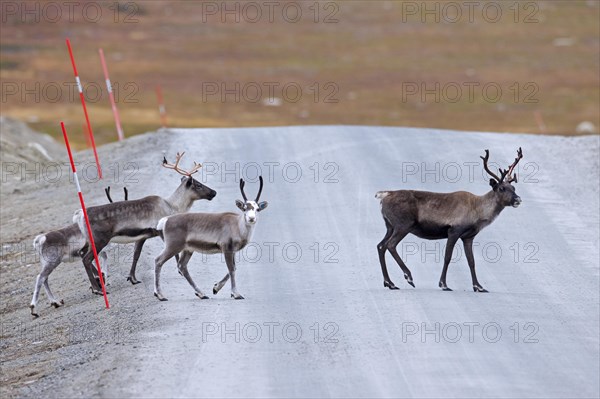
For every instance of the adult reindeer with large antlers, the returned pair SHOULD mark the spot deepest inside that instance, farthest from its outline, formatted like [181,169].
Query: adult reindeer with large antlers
[432,216]
[135,221]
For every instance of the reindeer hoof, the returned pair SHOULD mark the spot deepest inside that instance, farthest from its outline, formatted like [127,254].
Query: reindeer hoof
[98,292]
[444,287]
[133,280]
[478,288]
[58,304]
[390,285]
[237,296]
[409,280]
[201,296]
[35,315]
[160,297]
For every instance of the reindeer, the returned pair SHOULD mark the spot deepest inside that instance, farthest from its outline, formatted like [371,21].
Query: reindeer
[208,233]
[136,220]
[56,247]
[433,216]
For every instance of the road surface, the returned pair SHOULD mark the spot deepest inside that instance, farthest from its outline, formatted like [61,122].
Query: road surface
[316,321]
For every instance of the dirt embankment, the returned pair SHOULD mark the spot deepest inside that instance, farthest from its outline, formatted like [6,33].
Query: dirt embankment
[38,196]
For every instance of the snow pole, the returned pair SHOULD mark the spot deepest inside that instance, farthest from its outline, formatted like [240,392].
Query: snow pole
[85,215]
[111,96]
[87,118]
[540,121]
[161,107]
[86,133]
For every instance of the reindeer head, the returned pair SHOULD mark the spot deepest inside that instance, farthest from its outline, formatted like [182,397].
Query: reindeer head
[197,189]
[501,186]
[251,208]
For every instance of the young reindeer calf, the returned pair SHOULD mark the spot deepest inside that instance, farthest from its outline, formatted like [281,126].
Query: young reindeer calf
[208,233]
[433,216]
[56,247]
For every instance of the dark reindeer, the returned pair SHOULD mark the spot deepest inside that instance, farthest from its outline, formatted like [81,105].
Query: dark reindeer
[434,216]
[135,221]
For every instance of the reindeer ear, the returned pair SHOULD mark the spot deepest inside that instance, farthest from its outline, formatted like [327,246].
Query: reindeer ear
[262,205]
[493,183]
[183,178]
[240,205]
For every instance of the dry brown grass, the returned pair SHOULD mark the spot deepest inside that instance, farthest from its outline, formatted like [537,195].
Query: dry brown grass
[369,54]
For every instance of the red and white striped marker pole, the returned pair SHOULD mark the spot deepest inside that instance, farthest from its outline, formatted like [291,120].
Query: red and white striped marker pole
[161,107]
[85,215]
[540,121]
[111,96]
[87,118]
[87,136]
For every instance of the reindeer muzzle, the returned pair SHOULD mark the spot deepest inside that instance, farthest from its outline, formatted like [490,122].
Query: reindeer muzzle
[516,202]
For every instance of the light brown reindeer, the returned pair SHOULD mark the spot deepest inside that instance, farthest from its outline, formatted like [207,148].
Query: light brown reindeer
[208,233]
[433,216]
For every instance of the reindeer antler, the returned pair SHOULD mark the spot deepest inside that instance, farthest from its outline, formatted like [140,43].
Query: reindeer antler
[509,172]
[487,169]
[242,184]
[176,167]
[259,189]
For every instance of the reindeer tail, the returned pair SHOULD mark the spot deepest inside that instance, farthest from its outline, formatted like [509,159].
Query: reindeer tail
[38,241]
[79,220]
[382,194]
[161,224]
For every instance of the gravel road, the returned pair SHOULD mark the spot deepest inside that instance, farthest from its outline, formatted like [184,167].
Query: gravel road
[316,321]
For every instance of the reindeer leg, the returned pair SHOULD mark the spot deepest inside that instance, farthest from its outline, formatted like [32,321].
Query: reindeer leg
[183,270]
[91,269]
[468,244]
[53,301]
[103,257]
[230,260]
[217,287]
[47,268]
[136,255]
[392,243]
[160,260]
[452,238]
[36,295]
[381,248]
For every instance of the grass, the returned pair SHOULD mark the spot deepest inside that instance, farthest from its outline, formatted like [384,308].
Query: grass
[373,49]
